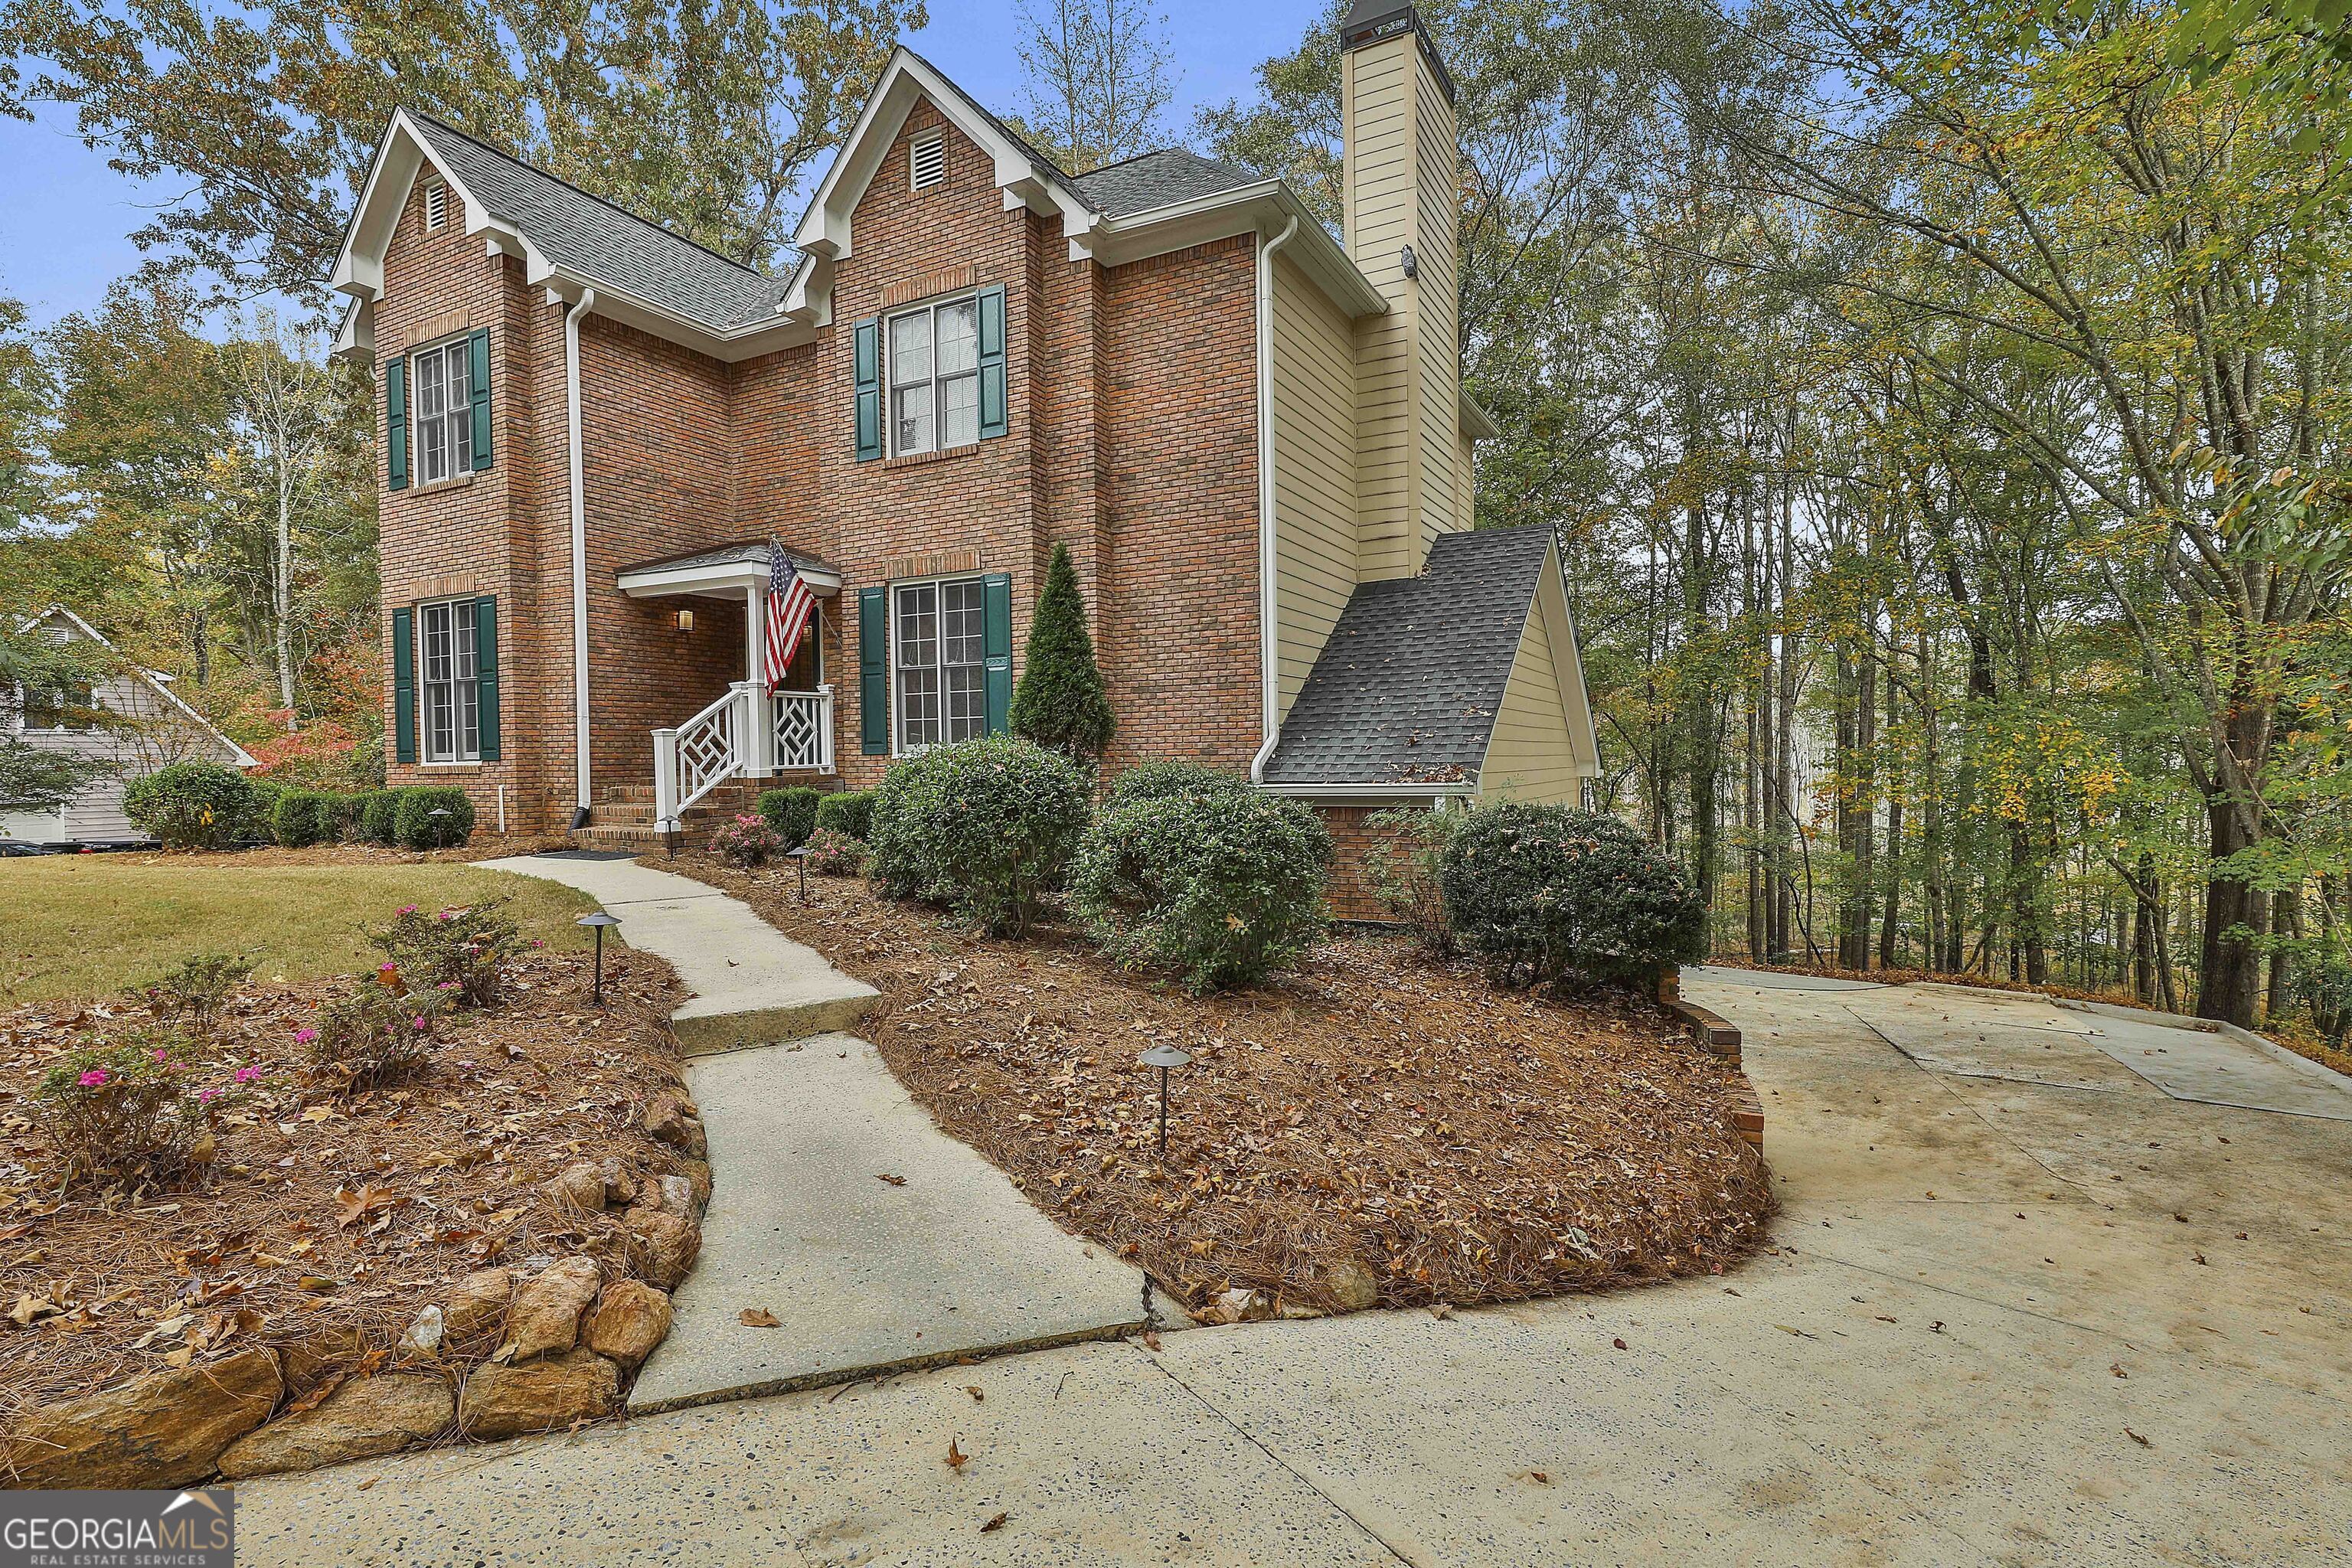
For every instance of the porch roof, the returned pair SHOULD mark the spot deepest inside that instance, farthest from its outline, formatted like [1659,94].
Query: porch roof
[723,568]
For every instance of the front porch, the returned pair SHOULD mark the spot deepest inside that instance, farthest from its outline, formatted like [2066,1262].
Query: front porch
[715,760]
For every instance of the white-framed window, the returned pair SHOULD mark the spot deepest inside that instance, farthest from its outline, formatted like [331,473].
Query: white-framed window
[927,162]
[940,662]
[441,392]
[934,371]
[451,720]
[437,205]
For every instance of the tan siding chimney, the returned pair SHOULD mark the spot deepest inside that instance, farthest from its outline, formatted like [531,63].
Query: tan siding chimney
[1400,188]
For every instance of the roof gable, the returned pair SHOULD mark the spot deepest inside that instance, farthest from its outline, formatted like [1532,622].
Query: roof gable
[239,755]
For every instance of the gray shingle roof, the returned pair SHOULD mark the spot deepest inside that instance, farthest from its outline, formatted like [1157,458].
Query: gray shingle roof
[1407,689]
[1156,180]
[743,552]
[590,236]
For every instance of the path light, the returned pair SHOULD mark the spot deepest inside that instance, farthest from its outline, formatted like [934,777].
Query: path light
[439,817]
[1163,1058]
[800,856]
[598,922]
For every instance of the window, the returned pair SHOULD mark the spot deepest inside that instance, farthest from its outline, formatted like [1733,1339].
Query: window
[934,374]
[54,708]
[453,720]
[927,163]
[939,650]
[437,205]
[444,417]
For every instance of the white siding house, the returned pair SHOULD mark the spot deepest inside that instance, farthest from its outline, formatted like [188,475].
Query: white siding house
[162,729]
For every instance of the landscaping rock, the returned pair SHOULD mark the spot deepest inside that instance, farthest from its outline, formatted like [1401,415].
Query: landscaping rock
[1352,1285]
[424,1335]
[620,1185]
[164,1429]
[698,1172]
[307,1360]
[366,1416]
[675,1121]
[1238,1305]
[477,1304]
[582,1185]
[545,1317]
[675,1195]
[630,1319]
[507,1401]
[662,1246]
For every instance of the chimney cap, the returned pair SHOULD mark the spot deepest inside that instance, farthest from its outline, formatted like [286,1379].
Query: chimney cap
[1372,21]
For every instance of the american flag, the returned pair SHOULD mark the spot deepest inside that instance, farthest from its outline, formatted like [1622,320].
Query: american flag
[789,605]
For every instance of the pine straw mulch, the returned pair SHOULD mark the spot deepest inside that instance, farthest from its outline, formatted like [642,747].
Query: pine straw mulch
[1462,1144]
[481,847]
[322,1225]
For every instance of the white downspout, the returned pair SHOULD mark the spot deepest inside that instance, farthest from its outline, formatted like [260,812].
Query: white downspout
[1269,648]
[580,738]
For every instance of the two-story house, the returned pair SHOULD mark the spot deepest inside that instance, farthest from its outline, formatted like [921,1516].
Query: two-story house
[1252,437]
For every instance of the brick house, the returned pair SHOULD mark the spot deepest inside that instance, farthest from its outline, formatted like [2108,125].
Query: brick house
[1252,437]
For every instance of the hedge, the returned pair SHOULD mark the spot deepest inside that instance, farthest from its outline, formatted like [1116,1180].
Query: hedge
[849,813]
[413,826]
[191,805]
[985,828]
[792,812]
[1545,893]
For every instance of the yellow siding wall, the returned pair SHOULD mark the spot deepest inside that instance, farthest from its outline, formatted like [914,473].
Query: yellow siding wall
[1314,471]
[1466,482]
[1437,316]
[1531,756]
[1376,103]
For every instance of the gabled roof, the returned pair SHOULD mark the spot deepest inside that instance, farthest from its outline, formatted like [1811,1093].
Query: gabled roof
[151,679]
[1158,179]
[1407,689]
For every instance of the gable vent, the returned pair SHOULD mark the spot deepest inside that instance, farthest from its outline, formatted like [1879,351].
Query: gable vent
[927,163]
[437,205]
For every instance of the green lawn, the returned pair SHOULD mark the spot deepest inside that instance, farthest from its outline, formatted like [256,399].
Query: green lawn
[95,925]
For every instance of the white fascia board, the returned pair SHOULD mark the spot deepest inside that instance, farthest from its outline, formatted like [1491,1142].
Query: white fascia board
[1568,660]
[406,147]
[1476,423]
[355,338]
[1264,206]
[619,304]
[658,581]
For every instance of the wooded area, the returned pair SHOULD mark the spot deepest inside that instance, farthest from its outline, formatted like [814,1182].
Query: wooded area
[1941,408]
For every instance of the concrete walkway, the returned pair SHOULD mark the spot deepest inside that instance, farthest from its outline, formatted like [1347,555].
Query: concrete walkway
[2005,1322]
[877,1242]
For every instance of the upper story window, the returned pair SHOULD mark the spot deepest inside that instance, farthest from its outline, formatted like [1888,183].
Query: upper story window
[444,401]
[453,719]
[54,708]
[934,377]
[927,162]
[437,205]
[939,647]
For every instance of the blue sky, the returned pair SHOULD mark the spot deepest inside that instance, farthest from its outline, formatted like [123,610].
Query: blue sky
[64,229]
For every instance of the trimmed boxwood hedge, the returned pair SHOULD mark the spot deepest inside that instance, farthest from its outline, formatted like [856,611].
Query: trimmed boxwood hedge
[792,812]
[304,817]
[413,826]
[849,813]
[1545,893]
[377,807]
[985,828]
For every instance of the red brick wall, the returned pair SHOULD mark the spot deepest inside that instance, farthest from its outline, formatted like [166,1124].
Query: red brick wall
[1348,892]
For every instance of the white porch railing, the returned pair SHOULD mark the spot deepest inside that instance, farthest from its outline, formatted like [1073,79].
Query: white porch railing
[745,731]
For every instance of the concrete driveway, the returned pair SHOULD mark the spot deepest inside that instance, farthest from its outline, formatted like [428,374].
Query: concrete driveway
[2035,1298]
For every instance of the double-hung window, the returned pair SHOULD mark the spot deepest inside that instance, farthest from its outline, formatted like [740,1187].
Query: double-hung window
[453,720]
[934,374]
[938,649]
[445,419]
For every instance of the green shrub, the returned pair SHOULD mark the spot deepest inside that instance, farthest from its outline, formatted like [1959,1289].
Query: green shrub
[792,812]
[985,828]
[1060,702]
[373,1035]
[1155,781]
[191,992]
[2322,982]
[377,808]
[1403,867]
[191,805]
[1547,893]
[303,817]
[123,1109]
[832,853]
[458,953]
[1220,884]
[413,826]
[848,812]
[748,841]
[259,826]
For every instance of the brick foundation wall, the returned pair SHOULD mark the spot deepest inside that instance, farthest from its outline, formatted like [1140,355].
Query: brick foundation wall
[1348,894]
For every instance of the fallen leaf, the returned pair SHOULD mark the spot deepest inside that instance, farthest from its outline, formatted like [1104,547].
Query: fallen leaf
[758,1318]
[1619,1344]
[994,1524]
[957,1458]
[894,1181]
[973,1389]
[2138,1438]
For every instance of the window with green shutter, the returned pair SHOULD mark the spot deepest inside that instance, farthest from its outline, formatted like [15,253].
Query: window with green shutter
[395,423]
[486,677]
[997,634]
[404,685]
[873,672]
[991,363]
[865,352]
[477,358]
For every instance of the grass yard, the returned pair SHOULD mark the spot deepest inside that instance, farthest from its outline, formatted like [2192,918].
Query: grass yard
[85,926]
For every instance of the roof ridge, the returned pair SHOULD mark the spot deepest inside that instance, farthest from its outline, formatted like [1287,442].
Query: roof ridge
[497,151]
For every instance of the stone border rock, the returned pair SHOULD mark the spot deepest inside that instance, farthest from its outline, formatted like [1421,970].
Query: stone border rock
[1719,1038]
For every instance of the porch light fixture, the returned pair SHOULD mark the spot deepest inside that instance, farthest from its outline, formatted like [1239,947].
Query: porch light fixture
[598,922]
[686,623]
[1163,1058]
[1410,262]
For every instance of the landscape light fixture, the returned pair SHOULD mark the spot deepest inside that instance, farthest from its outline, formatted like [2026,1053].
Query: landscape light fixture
[1163,1058]
[598,922]
[439,817]
[800,857]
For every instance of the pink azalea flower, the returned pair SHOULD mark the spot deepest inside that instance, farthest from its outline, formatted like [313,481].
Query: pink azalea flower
[206,1096]
[251,1075]
[409,909]
[305,1036]
[93,1078]
[419,1020]
[163,1053]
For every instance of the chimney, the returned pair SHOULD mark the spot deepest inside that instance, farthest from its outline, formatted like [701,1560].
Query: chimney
[1400,190]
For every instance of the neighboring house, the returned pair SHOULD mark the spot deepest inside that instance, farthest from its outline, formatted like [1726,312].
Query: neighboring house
[147,728]
[1253,439]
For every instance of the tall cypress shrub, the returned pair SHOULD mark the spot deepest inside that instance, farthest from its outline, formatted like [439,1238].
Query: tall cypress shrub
[1060,703]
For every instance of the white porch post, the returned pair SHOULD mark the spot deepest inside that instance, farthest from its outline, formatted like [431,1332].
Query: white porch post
[665,777]
[759,726]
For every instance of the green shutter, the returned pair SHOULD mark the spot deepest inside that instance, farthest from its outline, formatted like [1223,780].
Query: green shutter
[395,423]
[477,377]
[873,672]
[991,363]
[485,674]
[996,647]
[865,338]
[403,685]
